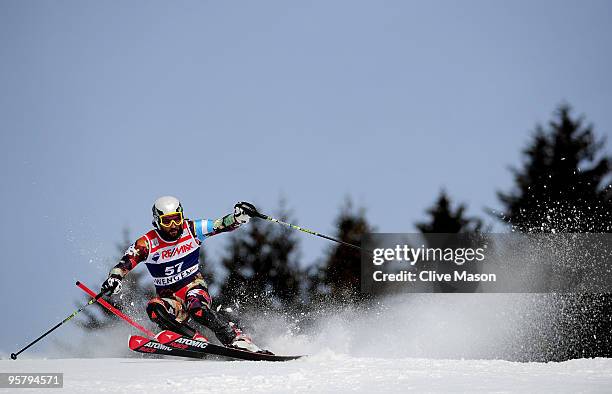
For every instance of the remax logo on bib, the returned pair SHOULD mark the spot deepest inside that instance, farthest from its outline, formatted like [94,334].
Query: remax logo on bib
[167,254]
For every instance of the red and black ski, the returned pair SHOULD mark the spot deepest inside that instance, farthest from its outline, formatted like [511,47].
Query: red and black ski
[173,344]
[150,346]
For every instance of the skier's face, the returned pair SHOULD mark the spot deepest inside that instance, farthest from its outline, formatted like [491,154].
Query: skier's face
[172,228]
[172,232]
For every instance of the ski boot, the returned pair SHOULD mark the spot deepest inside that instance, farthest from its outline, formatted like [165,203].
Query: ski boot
[244,342]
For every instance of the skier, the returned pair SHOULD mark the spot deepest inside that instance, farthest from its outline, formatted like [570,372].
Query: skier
[171,254]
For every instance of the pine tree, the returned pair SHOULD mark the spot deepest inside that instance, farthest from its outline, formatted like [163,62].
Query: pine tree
[561,188]
[443,219]
[342,268]
[561,185]
[263,268]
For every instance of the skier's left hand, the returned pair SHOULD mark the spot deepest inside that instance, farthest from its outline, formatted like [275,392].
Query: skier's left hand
[112,284]
[244,211]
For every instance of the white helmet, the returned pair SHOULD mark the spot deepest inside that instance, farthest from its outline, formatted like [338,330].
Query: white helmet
[164,205]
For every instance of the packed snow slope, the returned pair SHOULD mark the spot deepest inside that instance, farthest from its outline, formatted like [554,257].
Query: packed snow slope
[325,372]
[421,343]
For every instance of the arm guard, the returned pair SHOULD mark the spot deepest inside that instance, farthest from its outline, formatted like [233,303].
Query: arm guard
[205,228]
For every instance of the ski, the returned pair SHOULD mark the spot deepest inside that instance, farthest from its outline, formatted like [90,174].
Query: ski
[172,344]
[174,339]
[145,345]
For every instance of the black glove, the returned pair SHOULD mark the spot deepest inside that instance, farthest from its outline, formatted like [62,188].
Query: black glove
[244,211]
[112,284]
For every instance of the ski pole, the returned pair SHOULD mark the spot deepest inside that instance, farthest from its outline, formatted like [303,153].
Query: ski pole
[293,226]
[116,311]
[95,298]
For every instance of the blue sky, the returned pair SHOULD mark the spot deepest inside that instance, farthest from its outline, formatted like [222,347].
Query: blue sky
[106,106]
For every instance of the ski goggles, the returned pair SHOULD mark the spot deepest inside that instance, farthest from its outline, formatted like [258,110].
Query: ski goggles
[172,218]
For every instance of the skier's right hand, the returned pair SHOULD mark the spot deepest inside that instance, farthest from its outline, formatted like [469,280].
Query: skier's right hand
[112,284]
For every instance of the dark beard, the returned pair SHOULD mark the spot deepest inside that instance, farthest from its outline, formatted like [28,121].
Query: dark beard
[167,237]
